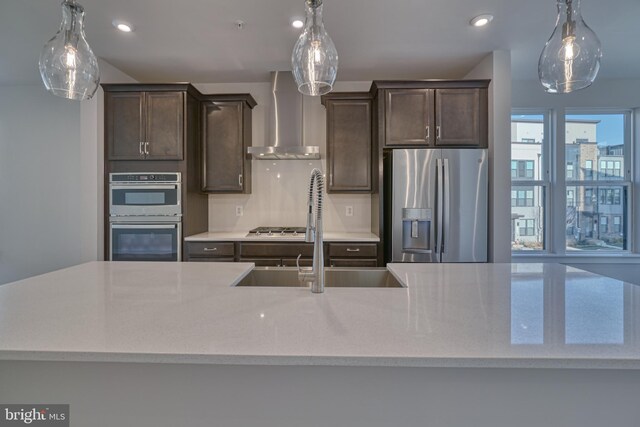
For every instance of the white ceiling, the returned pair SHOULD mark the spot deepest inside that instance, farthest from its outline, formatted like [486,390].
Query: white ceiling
[196,40]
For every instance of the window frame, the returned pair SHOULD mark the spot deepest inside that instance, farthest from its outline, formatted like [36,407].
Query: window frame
[553,183]
[544,183]
[626,180]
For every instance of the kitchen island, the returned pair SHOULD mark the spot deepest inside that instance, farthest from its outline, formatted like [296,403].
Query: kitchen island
[466,344]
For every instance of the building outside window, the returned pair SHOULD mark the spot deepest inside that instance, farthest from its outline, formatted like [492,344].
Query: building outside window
[522,169]
[604,222]
[617,224]
[601,193]
[589,196]
[527,227]
[522,197]
[610,196]
[528,182]
[611,168]
[593,181]
[588,169]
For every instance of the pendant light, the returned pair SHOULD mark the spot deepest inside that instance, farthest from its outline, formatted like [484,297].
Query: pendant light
[68,67]
[314,58]
[571,58]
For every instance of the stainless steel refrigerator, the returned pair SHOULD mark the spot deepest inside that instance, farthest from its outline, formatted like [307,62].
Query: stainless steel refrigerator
[436,205]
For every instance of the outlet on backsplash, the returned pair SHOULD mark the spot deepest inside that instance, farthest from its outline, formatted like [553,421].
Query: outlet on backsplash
[239,210]
[349,211]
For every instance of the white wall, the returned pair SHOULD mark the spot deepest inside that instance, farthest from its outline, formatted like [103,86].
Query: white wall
[40,165]
[280,188]
[497,67]
[51,154]
[602,94]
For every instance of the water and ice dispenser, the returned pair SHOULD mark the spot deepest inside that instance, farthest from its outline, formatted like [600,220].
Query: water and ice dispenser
[416,229]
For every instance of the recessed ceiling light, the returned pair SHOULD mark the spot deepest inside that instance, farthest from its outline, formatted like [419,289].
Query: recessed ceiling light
[297,23]
[481,20]
[125,27]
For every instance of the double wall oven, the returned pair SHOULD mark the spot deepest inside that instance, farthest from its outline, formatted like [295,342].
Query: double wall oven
[145,217]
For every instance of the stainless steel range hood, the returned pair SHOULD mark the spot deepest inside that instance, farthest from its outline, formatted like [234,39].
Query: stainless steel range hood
[285,123]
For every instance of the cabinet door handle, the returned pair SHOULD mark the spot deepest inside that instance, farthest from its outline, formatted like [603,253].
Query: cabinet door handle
[210,249]
[146,148]
[353,250]
[427,132]
[140,149]
[437,132]
[240,180]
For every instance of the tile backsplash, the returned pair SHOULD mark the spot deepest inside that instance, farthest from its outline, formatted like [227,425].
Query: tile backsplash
[279,197]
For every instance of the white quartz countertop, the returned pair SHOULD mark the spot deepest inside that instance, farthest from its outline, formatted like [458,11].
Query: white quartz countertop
[462,315]
[242,236]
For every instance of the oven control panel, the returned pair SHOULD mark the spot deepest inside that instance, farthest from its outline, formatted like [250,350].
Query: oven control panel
[144,177]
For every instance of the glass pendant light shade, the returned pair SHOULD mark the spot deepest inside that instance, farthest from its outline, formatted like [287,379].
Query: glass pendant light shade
[314,58]
[570,60]
[68,67]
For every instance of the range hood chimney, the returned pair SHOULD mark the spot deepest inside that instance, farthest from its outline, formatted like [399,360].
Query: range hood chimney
[285,123]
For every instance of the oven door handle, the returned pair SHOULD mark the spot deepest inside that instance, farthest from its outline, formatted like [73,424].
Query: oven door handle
[159,226]
[144,187]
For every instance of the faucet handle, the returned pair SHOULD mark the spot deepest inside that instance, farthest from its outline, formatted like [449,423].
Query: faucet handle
[298,264]
[305,274]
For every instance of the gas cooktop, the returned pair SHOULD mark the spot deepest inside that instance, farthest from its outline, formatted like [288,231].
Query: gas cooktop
[277,232]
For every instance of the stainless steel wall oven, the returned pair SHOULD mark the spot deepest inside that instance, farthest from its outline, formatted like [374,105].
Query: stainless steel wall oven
[145,217]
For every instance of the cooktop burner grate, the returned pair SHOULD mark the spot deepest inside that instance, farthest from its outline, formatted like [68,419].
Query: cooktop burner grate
[277,230]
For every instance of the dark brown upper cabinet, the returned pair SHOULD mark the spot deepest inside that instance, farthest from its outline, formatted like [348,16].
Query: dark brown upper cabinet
[409,116]
[225,137]
[461,117]
[432,113]
[144,124]
[349,148]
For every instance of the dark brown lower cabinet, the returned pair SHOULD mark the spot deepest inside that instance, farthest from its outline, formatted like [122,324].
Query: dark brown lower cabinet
[210,251]
[283,254]
[211,259]
[359,255]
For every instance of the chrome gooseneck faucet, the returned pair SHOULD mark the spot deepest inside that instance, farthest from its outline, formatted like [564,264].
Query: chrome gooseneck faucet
[313,233]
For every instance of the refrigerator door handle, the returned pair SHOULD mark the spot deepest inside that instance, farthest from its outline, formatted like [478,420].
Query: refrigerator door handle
[447,203]
[439,203]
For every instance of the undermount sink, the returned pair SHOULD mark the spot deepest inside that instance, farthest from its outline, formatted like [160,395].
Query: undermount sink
[334,278]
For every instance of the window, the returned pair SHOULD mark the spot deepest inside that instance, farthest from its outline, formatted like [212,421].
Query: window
[522,197]
[617,224]
[522,169]
[591,211]
[527,227]
[610,168]
[588,196]
[610,196]
[528,182]
[588,169]
[604,222]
